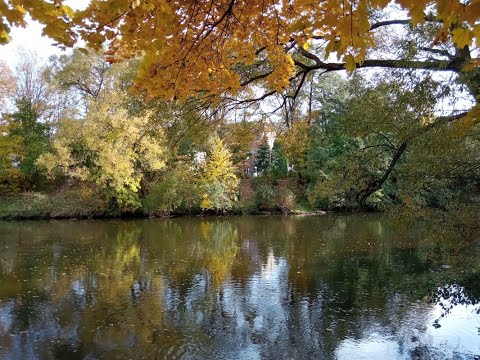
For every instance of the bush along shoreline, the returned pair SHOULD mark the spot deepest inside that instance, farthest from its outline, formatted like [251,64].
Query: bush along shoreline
[44,207]
[164,200]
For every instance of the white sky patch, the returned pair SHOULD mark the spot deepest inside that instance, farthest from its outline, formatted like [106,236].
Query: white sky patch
[30,38]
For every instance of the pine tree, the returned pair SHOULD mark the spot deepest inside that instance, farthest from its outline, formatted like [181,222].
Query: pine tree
[279,166]
[263,157]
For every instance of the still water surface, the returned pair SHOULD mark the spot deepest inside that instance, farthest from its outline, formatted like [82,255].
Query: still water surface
[228,288]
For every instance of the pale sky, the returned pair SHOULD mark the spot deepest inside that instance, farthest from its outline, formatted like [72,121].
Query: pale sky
[30,38]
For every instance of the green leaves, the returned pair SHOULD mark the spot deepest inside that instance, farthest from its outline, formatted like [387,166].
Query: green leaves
[33,141]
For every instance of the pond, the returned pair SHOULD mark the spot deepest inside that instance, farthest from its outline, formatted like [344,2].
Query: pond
[313,287]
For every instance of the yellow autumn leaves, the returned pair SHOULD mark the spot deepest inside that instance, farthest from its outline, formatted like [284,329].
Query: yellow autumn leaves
[283,68]
[110,147]
[198,49]
[189,48]
[55,16]
[219,180]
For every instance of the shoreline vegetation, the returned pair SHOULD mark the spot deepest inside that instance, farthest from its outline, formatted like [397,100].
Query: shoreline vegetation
[41,206]
[356,144]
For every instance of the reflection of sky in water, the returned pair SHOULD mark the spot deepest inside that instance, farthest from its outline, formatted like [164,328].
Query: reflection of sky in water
[458,338]
[266,288]
[466,335]
[6,318]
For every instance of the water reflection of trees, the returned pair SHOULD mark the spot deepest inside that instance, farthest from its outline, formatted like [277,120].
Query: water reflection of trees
[273,287]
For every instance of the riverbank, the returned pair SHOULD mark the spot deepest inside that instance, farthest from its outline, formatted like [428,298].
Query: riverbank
[75,205]
[65,205]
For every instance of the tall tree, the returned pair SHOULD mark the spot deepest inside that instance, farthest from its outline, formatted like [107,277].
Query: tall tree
[109,147]
[7,86]
[263,156]
[31,82]
[25,125]
[373,135]
[240,137]
[35,83]
[10,155]
[219,181]
[85,75]
[278,166]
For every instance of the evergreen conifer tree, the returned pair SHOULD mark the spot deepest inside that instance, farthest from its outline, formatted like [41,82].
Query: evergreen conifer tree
[263,157]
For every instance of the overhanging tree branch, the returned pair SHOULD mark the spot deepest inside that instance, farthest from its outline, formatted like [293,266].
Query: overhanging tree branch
[390,22]
[437,65]
[376,184]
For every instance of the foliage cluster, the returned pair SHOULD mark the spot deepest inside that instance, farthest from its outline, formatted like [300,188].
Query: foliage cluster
[342,143]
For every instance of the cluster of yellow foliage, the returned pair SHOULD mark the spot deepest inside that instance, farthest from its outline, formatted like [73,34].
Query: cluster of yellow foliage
[110,147]
[189,47]
[219,172]
[295,143]
[10,151]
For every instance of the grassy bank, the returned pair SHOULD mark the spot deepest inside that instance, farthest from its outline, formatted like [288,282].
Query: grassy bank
[86,204]
[70,204]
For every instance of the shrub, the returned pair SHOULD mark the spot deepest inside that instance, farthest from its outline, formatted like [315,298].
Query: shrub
[215,196]
[265,198]
[163,196]
[285,199]
[177,190]
[81,201]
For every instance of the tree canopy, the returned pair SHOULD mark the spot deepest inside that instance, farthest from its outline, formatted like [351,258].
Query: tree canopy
[219,47]
[349,142]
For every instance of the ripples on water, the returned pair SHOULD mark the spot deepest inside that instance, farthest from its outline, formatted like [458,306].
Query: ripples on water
[233,288]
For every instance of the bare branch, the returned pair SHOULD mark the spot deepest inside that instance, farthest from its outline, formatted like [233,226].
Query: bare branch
[437,52]
[390,22]
[258,77]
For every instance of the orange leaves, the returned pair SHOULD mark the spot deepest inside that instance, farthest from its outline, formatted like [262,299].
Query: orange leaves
[198,46]
[448,10]
[189,48]
[416,9]
[300,24]
[380,4]
[460,19]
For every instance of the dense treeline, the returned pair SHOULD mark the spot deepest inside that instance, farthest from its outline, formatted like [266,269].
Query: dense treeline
[76,142]
[199,111]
